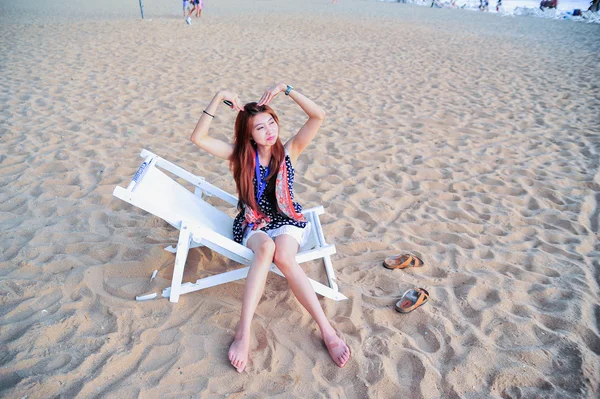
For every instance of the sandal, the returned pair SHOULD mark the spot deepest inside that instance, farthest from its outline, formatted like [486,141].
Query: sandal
[411,300]
[402,261]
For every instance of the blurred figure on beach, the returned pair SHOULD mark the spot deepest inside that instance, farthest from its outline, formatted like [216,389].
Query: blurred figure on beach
[196,6]
[498,5]
[185,6]
[548,4]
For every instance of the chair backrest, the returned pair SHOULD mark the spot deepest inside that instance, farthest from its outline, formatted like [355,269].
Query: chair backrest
[165,193]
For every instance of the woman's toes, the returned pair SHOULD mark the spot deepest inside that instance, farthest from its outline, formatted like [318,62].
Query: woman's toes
[240,366]
[238,354]
[344,357]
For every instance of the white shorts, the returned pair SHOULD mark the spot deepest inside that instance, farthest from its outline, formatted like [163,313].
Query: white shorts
[298,233]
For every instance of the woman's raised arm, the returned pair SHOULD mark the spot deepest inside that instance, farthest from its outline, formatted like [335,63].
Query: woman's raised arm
[200,136]
[297,143]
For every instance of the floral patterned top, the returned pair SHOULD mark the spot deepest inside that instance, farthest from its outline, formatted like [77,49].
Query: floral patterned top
[268,206]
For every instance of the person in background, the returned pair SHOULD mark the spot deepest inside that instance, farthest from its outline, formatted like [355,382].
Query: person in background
[197,6]
[548,4]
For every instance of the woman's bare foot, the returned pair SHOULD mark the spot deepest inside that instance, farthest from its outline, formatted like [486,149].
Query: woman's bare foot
[338,350]
[238,352]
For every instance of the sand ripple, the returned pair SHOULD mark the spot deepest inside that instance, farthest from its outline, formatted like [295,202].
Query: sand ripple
[469,139]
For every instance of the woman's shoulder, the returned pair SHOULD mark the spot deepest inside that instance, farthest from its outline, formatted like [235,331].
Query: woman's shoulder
[288,160]
[288,155]
[288,148]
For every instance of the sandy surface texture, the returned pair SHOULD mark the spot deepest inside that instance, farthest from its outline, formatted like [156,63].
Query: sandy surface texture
[470,139]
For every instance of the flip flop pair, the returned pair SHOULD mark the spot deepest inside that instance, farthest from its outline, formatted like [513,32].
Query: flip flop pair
[411,300]
[402,261]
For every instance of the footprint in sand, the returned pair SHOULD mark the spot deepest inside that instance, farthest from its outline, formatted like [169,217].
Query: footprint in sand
[410,372]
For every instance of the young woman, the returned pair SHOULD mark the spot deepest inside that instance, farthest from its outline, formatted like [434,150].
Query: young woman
[270,223]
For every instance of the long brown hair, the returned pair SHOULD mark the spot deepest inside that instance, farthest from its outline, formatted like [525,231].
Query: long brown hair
[244,153]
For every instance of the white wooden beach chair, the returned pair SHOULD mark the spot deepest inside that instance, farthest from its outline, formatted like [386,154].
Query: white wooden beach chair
[201,224]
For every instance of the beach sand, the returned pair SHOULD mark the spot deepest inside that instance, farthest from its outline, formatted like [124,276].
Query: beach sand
[468,138]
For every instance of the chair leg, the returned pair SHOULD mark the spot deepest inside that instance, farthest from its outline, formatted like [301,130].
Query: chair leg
[327,292]
[321,289]
[173,248]
[318,230]
[183,247]
[211,281]
[330,273]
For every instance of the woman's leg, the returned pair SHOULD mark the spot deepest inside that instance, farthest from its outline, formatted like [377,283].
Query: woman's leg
[286,248]
[191,11]
[263,247]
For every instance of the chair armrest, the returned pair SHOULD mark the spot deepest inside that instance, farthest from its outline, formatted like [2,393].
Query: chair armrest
[317,210]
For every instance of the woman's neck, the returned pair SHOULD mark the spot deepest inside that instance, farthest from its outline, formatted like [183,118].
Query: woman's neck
[264,154]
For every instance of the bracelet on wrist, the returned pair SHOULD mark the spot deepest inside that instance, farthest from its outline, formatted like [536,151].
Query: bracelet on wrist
[212,116]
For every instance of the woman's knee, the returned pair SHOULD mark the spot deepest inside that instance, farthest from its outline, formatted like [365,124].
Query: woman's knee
[265,250]
[283,259]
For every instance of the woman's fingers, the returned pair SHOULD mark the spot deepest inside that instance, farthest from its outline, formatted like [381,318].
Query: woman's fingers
[238,104]
[270,96]
[233,101]
[263,99]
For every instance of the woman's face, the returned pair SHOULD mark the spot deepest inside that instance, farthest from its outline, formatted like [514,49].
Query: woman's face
[264,129]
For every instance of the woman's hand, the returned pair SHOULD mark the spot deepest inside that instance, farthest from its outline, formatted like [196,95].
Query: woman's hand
[271,92]
[233,99]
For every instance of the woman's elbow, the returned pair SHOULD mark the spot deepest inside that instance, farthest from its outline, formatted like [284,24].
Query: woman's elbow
[196,139]
[321,114]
